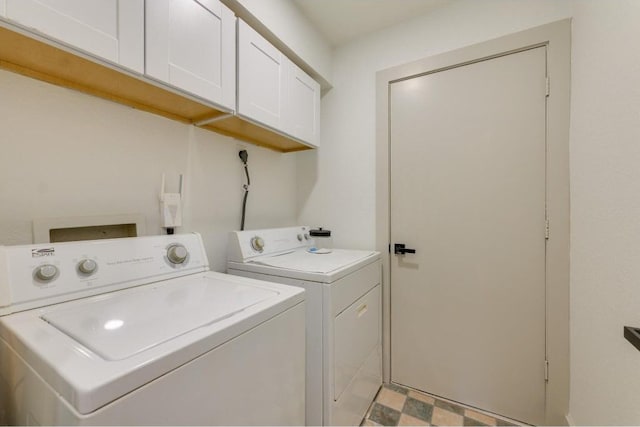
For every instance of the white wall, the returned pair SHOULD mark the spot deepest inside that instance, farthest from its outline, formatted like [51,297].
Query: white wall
[605,219]
[336,184]
[66,154]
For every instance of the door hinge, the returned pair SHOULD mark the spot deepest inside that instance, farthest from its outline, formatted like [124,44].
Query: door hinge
[389,247]
[548,86]
[546,370]
[546,229]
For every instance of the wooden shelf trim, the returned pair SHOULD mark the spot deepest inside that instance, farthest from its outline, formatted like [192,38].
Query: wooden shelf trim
[41,59]
[245,130]
[34,58]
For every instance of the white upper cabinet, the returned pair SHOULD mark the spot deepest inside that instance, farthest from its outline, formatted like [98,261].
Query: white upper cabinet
[273,91]
[303,105]
[110,29]
[261,78]
[191,45]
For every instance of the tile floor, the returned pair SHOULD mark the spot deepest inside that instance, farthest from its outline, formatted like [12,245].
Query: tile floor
[398,406]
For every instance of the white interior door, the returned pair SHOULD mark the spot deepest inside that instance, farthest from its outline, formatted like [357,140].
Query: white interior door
[468,186]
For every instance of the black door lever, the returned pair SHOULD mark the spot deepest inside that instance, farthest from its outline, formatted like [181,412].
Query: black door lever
[400,249]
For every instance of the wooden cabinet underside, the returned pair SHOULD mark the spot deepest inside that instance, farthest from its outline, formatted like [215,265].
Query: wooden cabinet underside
[39,58]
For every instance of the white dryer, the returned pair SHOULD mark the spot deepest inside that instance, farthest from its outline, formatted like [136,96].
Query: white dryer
[343,296]
[138,332]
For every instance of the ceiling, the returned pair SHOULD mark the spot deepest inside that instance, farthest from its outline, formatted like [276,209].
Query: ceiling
[343,20]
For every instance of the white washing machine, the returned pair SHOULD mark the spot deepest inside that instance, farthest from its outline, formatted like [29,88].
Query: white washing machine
[343,295]
[137,331]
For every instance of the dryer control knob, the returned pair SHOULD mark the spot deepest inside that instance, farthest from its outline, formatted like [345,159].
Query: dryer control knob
[46,272]
[177,254]
[299,237]
[257,243]
[87,266]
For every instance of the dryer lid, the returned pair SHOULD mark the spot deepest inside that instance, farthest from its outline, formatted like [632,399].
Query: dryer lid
[119,326]
[324,263]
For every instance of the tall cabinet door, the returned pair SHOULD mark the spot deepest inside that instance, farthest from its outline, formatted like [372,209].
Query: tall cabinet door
[261,78]
[191,45]
[303,105]
[109,29]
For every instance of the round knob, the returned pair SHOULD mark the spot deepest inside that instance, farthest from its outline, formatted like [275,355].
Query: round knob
[306,236]
[46,272]
[299,237]
[257,243]
[87,266]
[177,254]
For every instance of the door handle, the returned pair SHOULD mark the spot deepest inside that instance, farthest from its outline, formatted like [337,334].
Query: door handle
[400,249]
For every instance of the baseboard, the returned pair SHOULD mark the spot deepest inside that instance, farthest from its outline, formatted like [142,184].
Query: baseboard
[569,419]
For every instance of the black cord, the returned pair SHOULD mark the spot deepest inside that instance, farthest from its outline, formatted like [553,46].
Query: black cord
[244,157]
[244,208]
[246,171]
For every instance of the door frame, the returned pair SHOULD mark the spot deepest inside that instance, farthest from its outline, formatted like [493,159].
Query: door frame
[556,37]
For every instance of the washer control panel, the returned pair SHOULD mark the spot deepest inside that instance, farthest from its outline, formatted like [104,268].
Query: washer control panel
[40,274]
[248,244]
[87,266]
[257,244]
[45,273]
[177,254]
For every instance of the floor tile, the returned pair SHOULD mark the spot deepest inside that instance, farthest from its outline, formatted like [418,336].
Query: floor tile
[421,396]
[501,422]
[391,399]
[418,409]
[471,422]
[424,409]
[442,417]
[408,420]
[484,419]
[396,388]
[383,415]
[451,407]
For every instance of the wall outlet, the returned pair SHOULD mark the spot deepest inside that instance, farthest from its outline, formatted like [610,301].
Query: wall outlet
[171,206]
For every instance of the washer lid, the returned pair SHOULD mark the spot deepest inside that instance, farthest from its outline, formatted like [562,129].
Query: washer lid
[302,260]
[119,326]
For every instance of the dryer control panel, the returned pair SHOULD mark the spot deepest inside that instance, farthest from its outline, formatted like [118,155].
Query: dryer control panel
[41,274]
[248,244]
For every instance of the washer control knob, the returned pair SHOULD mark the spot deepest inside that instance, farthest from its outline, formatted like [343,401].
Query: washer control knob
[257,243]
[177,254]
[46,272]
[306,236]
[87,266]
[299,237]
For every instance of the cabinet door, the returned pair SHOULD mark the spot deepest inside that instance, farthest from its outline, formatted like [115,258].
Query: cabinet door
[303,106]
[357,334]
[191,45]
[261,79]
[110,29]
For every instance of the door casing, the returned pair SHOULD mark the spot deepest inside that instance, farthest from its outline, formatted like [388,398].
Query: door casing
[557,39]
